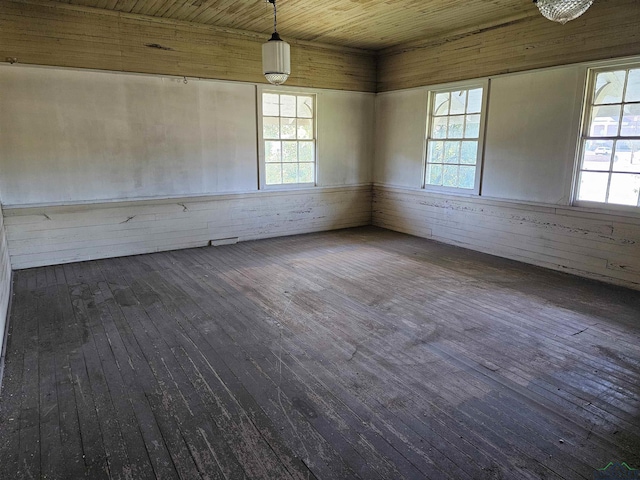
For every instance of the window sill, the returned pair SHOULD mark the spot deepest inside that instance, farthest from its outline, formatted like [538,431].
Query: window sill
[289,186]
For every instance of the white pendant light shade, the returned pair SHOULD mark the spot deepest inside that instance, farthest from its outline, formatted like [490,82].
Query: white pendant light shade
[562,10]
[276,60]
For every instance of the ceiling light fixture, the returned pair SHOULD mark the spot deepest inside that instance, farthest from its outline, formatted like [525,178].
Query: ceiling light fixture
[276,55]
[562,10]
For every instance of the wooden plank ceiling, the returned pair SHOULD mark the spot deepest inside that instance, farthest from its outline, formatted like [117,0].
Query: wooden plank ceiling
[368,24]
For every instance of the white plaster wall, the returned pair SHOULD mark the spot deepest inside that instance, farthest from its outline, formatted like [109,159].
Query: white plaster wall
[532,131]
[532,127]
[72,136]
[345,137]
[400,135]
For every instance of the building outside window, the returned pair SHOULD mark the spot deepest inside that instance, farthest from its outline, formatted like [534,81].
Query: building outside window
[609,160]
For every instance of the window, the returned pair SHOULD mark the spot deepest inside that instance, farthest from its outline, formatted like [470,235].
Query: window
[288,137]
[453,139]
[610,149]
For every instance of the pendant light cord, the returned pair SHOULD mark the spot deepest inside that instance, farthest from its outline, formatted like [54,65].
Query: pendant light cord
[275,16]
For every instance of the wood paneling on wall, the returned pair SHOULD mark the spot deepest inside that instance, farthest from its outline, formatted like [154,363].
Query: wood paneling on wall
[43,33]
[61,234]
[589,244]
[5,288]
[608,29]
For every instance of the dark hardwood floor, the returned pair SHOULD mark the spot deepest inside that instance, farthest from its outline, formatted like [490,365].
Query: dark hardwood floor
[360,353]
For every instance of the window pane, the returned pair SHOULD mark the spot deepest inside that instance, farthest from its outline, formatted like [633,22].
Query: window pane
[305,151]
[472,128]
[289,152]
[439,127]
[469,153]
[305,128]
[597,155]
[288,135]
[627,156]
[467,177]
[624,189]
[474,102]
[454,116]
[451,152]
[593,186]
[609,87]
[441,104]
[604,121]
[289,173]
[633,86]
[305,173]
[270,105]
[456,127]
[270,127]
[272,152]
[458,102]
[305,107]
[288,128]
[434,174]
[631,121]
[287,105]
[436,152]
[274,174]
[450,176]
[610,164]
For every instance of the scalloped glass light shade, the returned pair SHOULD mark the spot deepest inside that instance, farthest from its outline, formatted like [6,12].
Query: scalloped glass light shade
[276,61]
[276,78]
[563,10]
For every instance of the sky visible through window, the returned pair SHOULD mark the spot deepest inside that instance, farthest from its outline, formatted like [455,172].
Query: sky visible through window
[610,162]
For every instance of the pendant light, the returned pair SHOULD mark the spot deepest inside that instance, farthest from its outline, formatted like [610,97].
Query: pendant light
[276,55]
[562,11]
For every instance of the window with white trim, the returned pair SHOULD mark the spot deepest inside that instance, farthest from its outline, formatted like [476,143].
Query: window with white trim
[609,170]
[454,133]
[288,138]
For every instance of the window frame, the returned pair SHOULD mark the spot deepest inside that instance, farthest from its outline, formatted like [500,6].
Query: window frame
[584,136]
[431,94]
[281,90]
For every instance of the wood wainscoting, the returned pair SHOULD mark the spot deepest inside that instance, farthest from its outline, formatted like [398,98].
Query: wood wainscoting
[5,291]
[578,241]
[51,235]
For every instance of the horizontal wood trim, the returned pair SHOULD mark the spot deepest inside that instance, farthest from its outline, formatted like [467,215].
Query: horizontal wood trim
[58,234]
[156,202]
[608,29]
[54,34]
[593,245]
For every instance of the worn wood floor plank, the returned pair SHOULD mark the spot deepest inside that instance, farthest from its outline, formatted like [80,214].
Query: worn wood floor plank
[213,357]
[390,398]
[277,355]
[312,308]
[12,393]
[360,353]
